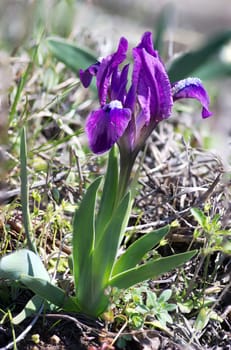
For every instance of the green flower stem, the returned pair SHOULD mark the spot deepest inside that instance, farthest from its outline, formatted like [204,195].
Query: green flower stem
[126,164]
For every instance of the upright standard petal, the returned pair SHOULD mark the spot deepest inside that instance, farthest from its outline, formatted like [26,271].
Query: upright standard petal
[152,86]
[147,44]
[106,69]
[119,83]
[105,126]
[192,88]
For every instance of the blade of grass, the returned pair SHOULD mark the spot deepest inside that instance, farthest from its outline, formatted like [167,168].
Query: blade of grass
[25,192]
[21,85]
[20,88]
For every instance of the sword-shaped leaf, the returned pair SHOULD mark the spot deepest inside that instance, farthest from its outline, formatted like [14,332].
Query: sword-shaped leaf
[73,56]
[108,198]
[31,308]
[50,292]
[135,252]
[23,261]
[186,64]
[151,269]
[84,243]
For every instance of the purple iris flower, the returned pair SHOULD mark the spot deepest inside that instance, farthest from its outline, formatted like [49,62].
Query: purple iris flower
[128,114]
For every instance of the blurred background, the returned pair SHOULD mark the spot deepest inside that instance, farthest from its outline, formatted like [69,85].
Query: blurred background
[189,22]
[190,19]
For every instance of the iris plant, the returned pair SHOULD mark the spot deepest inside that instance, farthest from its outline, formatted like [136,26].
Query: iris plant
[128,113]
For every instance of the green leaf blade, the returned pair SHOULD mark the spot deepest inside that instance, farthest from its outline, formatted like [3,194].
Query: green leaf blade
[199,216]
[91,288]
[49,292]
[138,249]
[23,261]
[110,240]
[163,21]
[25,192]
[150,270]
[214,69]
[74,57]
[31,308]
[83,244]
[108,199]
[186,64]
[84,230]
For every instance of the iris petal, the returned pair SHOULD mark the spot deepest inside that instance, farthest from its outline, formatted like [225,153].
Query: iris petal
[153,86]
[105,126]
[192,88]
[164,88]
[147,44]
[134,112]
[118,83]
[87,74]
[107,67]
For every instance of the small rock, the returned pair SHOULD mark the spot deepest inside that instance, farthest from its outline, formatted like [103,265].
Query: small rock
[55,340]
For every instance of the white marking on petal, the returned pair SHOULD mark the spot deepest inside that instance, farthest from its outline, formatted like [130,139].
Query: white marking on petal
[184,83]
[115,104]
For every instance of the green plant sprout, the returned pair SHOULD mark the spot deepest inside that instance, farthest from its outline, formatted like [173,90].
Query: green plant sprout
[142,307]
[210,229]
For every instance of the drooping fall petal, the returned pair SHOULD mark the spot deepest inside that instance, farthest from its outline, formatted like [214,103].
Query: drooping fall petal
[106,125]
[192,88]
